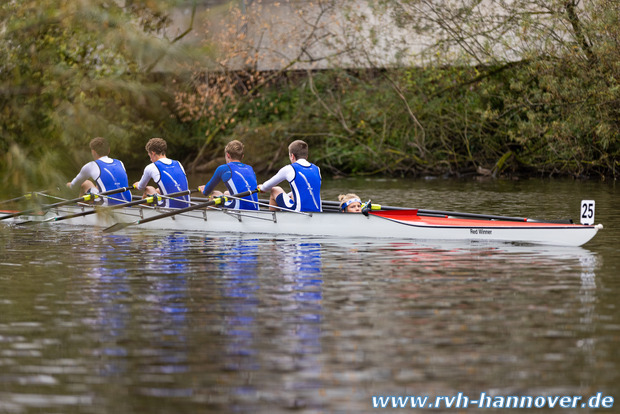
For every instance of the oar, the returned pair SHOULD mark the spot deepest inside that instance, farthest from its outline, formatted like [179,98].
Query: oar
[85,197]
[27,196]
[215,201]
[336,205]
[422,212]
[148,200]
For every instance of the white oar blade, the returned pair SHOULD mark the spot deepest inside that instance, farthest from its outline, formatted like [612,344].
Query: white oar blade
[116,227]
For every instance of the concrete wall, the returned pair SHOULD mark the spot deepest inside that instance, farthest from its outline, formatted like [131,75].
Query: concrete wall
[349,33]
[313,34]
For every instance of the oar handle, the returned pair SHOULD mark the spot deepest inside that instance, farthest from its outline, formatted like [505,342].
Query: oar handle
[149,199]
[88,197]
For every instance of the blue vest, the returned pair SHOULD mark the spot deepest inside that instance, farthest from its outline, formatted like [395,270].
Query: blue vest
[306,187]
[113,176]
[172,179]
[242,178]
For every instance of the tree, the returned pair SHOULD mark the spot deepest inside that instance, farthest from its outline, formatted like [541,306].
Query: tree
[74,70]
[254,46]
[544,74]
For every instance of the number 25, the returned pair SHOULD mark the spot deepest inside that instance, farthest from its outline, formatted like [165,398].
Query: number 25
[588,210]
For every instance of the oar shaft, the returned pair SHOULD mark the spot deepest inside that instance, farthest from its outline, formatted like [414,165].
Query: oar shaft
[336,204]
[218,200]
[422,212]
[191,208]
[470,215]
[148,200]
[85,197]
[27,195]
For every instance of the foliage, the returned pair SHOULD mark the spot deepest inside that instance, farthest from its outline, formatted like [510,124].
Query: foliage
[525,84]
[254,48]
[491,87]
[71,71]
[406,87]
[208,100]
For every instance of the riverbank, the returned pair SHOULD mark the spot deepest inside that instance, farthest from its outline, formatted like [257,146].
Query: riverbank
[454,121]
[449,122]
[460,107]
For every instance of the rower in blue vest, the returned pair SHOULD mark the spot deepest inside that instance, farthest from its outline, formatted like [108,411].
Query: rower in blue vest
[168,174]
[107,174]
[237,177]
[304,179]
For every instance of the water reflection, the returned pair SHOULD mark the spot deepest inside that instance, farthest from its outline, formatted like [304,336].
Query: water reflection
[240,302]
[268,314]
[301,298]
[455,269]
[463,311]
[147,302]
[187,323]
[109,291]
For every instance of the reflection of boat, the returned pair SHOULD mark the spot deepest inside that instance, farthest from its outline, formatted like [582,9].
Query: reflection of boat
[392,224]
[447,254]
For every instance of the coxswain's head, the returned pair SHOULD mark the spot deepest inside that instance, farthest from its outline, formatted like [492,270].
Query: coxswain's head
[350,203]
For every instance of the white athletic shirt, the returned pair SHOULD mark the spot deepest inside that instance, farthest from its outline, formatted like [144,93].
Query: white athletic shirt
[286,173]
[91,170]
[151,172]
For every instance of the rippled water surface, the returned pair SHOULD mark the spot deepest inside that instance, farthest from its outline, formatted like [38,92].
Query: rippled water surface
[163,322]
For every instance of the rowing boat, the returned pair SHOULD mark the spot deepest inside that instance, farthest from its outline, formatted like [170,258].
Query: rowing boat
[403,224]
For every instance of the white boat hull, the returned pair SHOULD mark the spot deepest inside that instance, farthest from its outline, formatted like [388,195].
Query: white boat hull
[334,224]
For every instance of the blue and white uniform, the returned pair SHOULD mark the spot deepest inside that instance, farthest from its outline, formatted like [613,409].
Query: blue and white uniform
[170,177]
[238,178]
[108,174]
[305,181]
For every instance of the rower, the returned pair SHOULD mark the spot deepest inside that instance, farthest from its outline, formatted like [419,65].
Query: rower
[304,179]
[236,176]
[107,173]
[169,175]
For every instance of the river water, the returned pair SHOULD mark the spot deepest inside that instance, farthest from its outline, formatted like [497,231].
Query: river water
[164,322]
